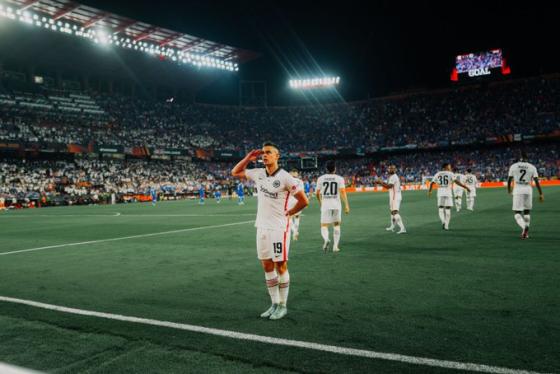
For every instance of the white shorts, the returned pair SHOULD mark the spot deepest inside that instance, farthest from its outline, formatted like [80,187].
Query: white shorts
[273,244]
[330,216]
[394,204]
[471,193]
[446,201]
[458,192]
[522,202]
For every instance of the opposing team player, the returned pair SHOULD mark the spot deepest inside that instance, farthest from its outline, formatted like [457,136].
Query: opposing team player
[395,197]
[523,173]
[153,193]
[274,186]
[330,187]
[240,194]
[201,194]
[471,182]
[458,190]
[218,194]
[293,201]
[444,179]
[307,188]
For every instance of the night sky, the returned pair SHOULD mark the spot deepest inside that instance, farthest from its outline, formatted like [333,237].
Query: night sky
[375,47]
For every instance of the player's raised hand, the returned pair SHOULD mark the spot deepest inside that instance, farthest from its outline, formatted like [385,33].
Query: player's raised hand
[254,154]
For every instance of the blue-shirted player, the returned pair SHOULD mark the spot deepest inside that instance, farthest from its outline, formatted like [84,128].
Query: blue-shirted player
[201,194]
[240,194]
[153,192]
[307,188]
[218,194]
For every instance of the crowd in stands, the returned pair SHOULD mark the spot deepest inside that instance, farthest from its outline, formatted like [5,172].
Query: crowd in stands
[461,116]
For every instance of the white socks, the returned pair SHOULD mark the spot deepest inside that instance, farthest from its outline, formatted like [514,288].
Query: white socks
[458,203]
[325,233]
[527,218]
[398,221]
[447,217]
[520,220]
[272,285]
[392,226]
[284,287]
[336,236]
[470,203]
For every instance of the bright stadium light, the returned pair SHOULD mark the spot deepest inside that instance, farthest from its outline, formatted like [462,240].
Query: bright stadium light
[104,37]
[324,82]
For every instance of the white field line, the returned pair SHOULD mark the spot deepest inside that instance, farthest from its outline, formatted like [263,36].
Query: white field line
[276,341]
[125,238]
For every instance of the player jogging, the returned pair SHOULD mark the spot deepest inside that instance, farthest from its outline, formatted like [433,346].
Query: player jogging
[153,193]
[218,194]
[293,201]
[274,187]
[330,187]
[201,194]
[444,179]
[523,173]
[395,197]
[470,181]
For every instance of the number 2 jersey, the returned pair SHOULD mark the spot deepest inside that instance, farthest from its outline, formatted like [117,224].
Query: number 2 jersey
[329,186]
[444,179]
[523,173]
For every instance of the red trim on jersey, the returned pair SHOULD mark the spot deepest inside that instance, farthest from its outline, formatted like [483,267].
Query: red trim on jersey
[287,228]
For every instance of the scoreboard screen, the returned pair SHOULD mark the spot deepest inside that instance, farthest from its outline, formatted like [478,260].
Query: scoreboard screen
[479,64]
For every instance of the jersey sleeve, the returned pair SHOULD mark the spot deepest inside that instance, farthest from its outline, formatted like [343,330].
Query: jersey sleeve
[393,179]
[510,173]
[292,184]
[535,172]
[341,182]
[434,178]
[251,174]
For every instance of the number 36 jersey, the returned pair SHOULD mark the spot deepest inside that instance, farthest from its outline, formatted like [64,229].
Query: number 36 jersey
[444,180]
[523,173]
[329,186]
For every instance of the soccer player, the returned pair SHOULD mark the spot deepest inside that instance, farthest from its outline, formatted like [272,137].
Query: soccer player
[522,173]
[458,190]
[444,179]
[292,203]
[240,194]
[218,194]
[153,192]
[395,197]
[470,181]
[274,186]
[307,188]
[201,194]
[330,187]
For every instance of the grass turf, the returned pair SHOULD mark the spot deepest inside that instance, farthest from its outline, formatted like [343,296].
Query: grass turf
[474,294]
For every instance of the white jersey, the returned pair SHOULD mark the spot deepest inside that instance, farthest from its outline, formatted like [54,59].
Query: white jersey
[460,178]
[329,186]
[273,192]
[523,174]
[470,181]
[444,179]
[293,201]
[395,191]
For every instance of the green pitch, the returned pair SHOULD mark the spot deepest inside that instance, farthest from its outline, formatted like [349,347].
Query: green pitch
[474,294]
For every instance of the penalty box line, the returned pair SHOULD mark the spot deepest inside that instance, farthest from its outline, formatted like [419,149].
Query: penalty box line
[124,238]
[275,341]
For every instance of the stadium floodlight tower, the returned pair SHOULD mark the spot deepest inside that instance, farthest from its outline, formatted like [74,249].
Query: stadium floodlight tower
[312,83]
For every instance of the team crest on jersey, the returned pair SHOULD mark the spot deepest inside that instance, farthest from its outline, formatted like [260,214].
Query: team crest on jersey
[276,184]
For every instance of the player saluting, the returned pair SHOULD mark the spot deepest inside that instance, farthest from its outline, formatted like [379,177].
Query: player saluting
[394,186]
[470,181]
[274,186]
[522,173]
[444,179]
[329,189]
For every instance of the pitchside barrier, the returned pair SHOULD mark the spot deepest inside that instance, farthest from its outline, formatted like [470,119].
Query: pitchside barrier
[425,186]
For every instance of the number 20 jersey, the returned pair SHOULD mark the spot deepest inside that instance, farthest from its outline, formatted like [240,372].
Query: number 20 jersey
[329,186]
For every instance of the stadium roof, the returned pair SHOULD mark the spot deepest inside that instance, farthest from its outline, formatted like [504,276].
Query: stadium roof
[87,17]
